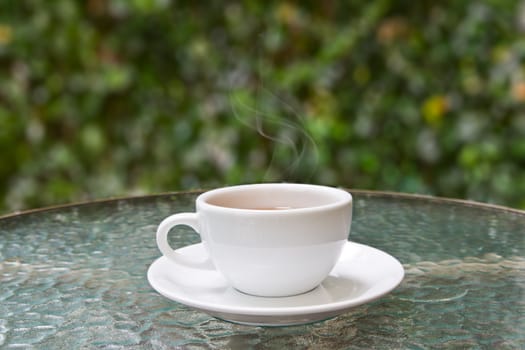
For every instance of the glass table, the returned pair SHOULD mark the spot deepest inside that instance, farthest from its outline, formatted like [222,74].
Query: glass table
[75,277]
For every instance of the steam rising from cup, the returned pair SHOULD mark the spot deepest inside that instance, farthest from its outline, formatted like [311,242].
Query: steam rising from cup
[284,129]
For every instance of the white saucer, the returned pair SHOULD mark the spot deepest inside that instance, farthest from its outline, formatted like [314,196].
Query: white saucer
[361,275]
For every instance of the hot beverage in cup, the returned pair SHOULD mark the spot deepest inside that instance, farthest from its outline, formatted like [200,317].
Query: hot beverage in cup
[268,239]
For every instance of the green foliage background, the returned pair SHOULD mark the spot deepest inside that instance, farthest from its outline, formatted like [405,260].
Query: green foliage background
[107,98]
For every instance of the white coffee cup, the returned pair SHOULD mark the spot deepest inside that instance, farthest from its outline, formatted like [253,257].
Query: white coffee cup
[268,239]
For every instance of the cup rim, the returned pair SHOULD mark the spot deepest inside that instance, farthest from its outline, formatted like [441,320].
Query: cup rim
[345,198]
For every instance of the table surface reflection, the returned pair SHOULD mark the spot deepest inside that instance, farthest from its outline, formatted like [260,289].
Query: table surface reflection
[75,277]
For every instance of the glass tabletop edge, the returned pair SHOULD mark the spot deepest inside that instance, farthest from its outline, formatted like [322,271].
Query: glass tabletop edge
[438,199]
[370,193]
[96,201]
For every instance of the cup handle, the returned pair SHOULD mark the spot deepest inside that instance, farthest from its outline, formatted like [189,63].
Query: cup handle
[186,219]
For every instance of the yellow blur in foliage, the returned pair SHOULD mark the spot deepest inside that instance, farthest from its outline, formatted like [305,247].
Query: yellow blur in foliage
[518,91]
[6,34]
[288,14]
[434,109]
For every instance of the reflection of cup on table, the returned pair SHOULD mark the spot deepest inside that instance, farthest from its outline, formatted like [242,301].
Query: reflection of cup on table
[268,239]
